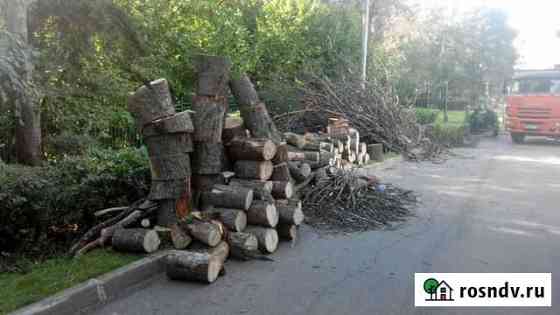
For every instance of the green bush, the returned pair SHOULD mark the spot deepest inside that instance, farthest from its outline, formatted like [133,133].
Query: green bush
[448,135]
[40,208]
[481,120]
[68,144]
[426,116]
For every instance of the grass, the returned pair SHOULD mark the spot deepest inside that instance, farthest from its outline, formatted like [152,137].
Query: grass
[54,275]
[456,117]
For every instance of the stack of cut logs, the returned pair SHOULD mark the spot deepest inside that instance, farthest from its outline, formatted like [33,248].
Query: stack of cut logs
[244,176]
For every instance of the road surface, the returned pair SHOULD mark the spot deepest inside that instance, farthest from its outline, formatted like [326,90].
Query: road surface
[495,208]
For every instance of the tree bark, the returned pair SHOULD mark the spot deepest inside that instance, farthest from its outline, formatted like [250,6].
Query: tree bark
[178,123]
[253,169]
[290,211]
[282,189]
[135,240]
[261,189]
[252,149]
[253,111]
[193,266]
[262,213]
[208,118]
[235,220]
[148,104]
[228,196]
[212,75]
[169,144]
[170,167]
[242,245]
[281,155]
[206,232]
[281,172]
[267,238]
[208,158]
[179,237]
[233,128]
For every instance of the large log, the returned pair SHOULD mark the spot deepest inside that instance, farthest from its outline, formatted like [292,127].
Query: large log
[296,156]
[261,189]
[171,189]
[235,220]
[189,266]
[375,152]
[254,113]
[267,238]
[167,213]
[170,167]
[290,211]
[281,172]
[262,213]
[212,75]
[296,140]
[281,155]
[252,149]
[176,143]
[179,238]
[228,196]
[287,232]
[206,182]
[299,171]
[233,128]
[151,103]
[207,232]
[282,189]
[207,158]
[178,123]
[253,169]
[242,245]
[135,240]
[208,118]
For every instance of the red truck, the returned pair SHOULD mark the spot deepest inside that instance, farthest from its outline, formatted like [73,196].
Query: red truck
[533,105]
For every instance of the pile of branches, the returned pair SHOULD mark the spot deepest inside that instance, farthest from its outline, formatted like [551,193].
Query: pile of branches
[348,202]
[374,110]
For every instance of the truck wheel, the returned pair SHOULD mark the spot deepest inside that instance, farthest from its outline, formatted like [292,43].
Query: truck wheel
[518,138]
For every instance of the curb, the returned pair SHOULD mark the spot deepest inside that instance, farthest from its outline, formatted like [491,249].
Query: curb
[98,290]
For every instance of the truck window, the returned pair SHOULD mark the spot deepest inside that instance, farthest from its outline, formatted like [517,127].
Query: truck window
[536,86]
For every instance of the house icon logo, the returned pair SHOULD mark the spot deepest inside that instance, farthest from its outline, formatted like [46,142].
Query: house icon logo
[438,290]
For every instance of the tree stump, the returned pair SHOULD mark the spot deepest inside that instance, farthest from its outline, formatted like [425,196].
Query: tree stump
[253,169]
[267,238]
[135,240]
[252,149]
[262,213]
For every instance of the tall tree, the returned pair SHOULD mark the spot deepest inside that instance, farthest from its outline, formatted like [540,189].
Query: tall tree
[22,97]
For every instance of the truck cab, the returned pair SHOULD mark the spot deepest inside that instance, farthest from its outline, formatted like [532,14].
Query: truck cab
[533,105]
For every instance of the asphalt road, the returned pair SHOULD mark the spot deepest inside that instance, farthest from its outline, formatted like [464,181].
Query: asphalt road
[495,208]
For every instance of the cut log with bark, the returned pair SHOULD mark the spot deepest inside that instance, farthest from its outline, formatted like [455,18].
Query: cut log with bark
[296,140]
[254,113]
[135,240]
[235,220]
[169,144]
[170,167]
[151,103]
[375,152]
[208,118]
[206,182]
[282,189]
[212,74]
[243,246]
[178,123]
[296,156]
[262,213]
[261,189]
[252,149]
[312,156]
[290,211]
[228,196]
[164,234]
[267,238]
[233,128]
[220,251]
[206,232]
[299,171]
[208,158]
[281,172]
[287,232]
[161,190]
[281,155]
[179,237]
[261,170]
[146,223]
[192,266]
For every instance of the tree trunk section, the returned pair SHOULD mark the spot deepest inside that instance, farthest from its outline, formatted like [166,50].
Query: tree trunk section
[170,167]
[267,238]
[212,75]
[262,213]
[206,182]
[161,190]
[169,144]
[242,245]
[254,113]
[148,104]
[208,118]
[299,171]
[282,190]
[290,211]
[229,197]
[296,140]
[193,266]
[253,169]
[252,149]
[233,128]
[287,232]
[206,232]
[208,158]
[281,155]
[179,237]
[178,123]
[135,240]
[281,172]
[235,220]
[261,189]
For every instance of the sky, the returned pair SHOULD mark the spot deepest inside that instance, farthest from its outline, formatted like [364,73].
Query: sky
[537,22]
